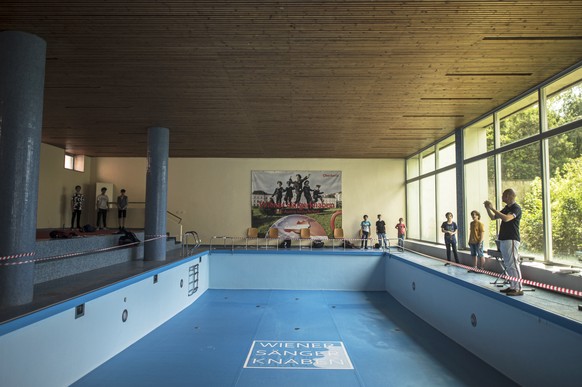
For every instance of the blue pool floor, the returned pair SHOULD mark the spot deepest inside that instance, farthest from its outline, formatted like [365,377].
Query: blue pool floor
[207,344]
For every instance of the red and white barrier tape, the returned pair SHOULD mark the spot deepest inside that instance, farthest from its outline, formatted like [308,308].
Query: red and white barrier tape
[554,288]
[69,255]
[16,256]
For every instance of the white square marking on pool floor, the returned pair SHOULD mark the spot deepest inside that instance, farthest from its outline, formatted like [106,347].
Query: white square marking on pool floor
[329,355]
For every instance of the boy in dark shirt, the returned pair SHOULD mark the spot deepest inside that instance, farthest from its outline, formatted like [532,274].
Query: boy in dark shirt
[381,231]
[77,206]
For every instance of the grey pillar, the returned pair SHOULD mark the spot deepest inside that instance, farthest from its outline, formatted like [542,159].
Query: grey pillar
[460,175]
[22,66]
[156,194]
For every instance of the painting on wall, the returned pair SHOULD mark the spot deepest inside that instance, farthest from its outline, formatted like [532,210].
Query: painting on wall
[293,200]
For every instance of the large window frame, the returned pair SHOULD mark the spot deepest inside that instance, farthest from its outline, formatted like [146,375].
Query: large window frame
[478,146]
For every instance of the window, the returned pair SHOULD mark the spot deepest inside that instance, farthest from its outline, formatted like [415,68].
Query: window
[69,161]
[565,153]
[427,204]
[520,170]
[446,197]
[564,100]
[75,162]
[551,224]
[412,167]
[479,138]
[519,120]
[412,210]
[480,186]
[446,152]
[427,161]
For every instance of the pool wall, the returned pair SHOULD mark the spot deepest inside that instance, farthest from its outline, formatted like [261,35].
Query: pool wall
[527,344]
[307,270]
[54,348]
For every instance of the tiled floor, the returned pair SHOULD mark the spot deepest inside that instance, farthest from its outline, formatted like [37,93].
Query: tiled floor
[57,291]
[208,343]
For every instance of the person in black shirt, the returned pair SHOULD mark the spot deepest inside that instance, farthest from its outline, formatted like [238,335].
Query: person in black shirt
[77,206]
[381,231]
[509,238]
[449,228]
[122,201]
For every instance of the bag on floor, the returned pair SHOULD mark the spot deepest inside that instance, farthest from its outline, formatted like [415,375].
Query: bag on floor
[348,245]
[89,228]
[317,244]
[128,238]
[286,244]
[58,234]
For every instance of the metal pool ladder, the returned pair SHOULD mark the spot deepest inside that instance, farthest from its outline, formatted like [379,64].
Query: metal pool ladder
[187,248]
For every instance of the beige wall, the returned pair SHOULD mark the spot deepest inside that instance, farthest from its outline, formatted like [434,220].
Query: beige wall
[56,186]
[213,195]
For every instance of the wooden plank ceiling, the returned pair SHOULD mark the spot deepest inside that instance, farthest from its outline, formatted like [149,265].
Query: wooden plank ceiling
[270,79]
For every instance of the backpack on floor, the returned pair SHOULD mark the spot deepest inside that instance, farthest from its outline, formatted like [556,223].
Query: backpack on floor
[348,245]
[128,238]
[316,244]
[58,234]
[89,228]
[285,244]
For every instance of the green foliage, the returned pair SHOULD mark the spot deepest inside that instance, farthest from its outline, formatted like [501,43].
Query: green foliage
[522,164]
[566,194]
[532,220]
[565,107]
[566,180]
[566,206]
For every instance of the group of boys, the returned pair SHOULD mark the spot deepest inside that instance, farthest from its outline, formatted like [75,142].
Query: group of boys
[381,232]
[102,204]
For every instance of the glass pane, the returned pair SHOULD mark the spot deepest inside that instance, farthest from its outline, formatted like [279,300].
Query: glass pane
[446,149]
[69,161]
[566,196]
[478,138]
[446,197]
[427,205]
[79,163]
[412,167]
[480,186]
[519,120]
[427,161]
[564,100]
[412,211]
[520,170]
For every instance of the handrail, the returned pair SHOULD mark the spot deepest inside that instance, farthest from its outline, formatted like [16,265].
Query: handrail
[178,222]
[175,216]
[186,248]
[230,242]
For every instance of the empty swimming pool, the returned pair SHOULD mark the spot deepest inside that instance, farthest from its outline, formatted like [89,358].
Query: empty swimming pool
[210,344]
[248,318]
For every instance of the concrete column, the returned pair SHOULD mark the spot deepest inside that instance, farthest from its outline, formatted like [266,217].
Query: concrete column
[156,193]
[462,233]
[22,66]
